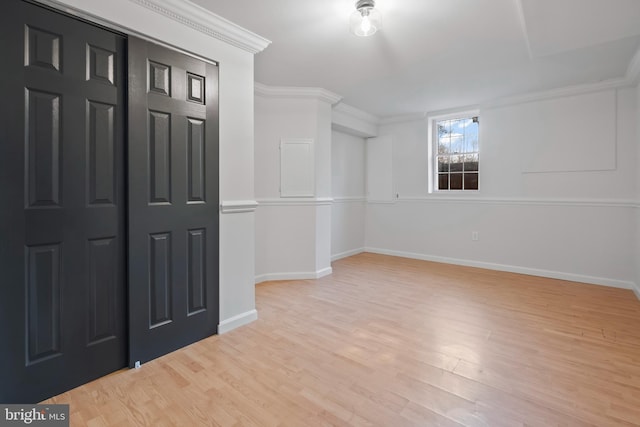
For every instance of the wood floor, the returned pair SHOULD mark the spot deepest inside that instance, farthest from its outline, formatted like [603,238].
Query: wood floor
[394,342]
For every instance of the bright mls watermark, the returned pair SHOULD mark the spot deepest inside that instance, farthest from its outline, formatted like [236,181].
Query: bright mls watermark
[36,415]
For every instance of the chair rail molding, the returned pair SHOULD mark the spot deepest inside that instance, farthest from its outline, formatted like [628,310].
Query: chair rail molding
[238,206]
[445,198]
[301,201]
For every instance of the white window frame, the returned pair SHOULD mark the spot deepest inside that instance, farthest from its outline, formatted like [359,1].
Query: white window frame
[433,148]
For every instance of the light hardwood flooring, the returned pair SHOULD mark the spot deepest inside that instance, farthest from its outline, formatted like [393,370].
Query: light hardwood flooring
[395,342]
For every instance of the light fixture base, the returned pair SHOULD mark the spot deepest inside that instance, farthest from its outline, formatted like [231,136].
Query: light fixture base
[365,4]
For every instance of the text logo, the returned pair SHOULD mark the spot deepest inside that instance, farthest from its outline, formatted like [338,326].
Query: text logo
[34,415]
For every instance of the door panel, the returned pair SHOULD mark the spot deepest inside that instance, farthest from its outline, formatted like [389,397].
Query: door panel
[173,200]
[62,218]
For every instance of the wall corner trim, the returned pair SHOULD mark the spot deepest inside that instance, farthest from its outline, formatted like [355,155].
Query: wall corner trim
[318,93]
[237,321]
[238,206]
[207,22]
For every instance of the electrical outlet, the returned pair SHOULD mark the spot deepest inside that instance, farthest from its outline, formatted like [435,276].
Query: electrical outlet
[474,236]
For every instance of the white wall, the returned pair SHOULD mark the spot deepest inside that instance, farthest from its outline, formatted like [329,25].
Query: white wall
[293,235]
[237,299]
[567,224]
[348,211]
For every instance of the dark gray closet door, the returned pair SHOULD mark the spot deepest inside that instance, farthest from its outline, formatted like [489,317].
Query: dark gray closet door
[173,200]
[62,212]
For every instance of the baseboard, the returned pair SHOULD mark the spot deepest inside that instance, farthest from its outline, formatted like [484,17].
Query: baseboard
[602,281]
[237,321]
[636,290]
[294,275]
[324,272]
[347,254]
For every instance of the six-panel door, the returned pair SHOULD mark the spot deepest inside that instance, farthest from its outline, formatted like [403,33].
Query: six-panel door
[70,212]
[173,200]
[62,258]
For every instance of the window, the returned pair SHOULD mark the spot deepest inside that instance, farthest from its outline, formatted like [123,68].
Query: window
[456,153]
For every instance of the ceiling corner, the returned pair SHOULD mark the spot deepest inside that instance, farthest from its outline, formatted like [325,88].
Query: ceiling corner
[523,26]
[633,72]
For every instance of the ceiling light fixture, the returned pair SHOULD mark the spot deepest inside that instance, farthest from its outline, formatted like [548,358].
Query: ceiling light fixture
[366,20]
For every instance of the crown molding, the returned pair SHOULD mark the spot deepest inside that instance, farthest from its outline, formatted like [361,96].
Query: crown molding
[559,93]
[266,91]
[403,118]
[631,79]
[356,113]
[207,22]
[353,121]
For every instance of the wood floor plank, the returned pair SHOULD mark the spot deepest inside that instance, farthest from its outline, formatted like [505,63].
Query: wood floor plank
[388,341]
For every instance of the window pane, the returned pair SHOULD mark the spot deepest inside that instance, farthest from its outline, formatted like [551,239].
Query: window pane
[474,144]
[443,164]
[471,162]
[458,140]
[470,181]
[456,163]
[457,143]
[447,126]
[455,182]
[443,181]
[457,126]
[443,147]
[444,131]
[471,137]
[444,137]
[456,158]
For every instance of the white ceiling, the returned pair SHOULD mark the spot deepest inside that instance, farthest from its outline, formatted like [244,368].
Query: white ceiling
[439,54]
